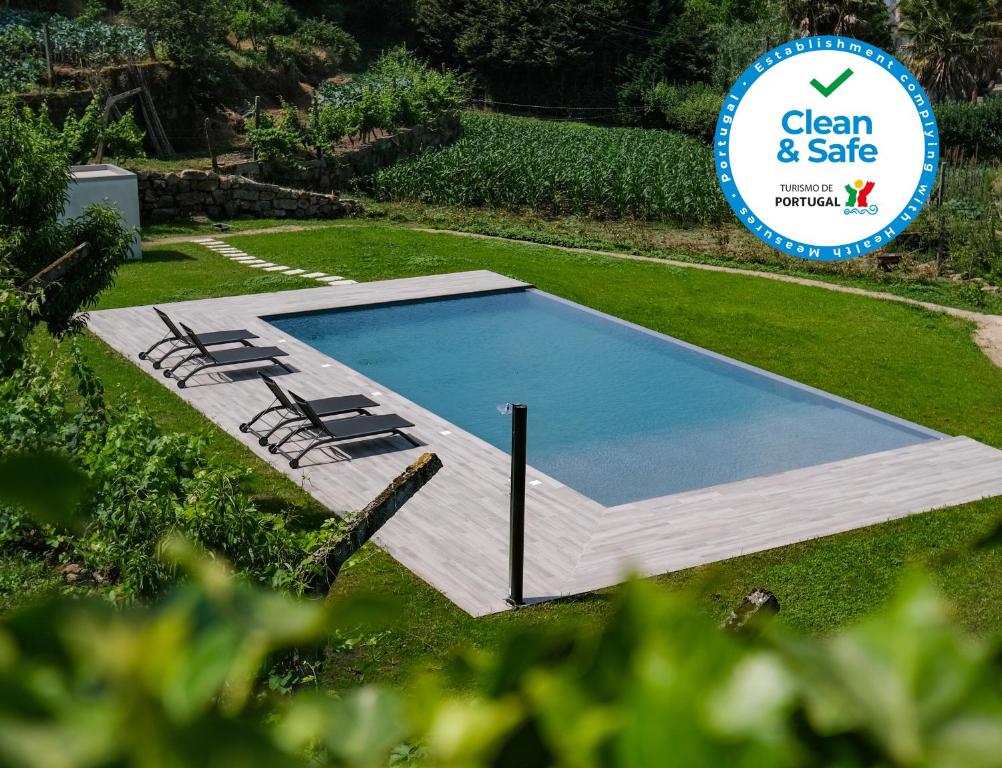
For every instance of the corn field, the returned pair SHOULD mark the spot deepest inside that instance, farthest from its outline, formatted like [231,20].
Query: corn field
[564,168]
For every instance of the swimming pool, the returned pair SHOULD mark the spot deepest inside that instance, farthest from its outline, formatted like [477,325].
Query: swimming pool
[617,412]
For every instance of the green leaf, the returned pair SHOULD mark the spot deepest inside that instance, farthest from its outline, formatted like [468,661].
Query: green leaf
[47,485]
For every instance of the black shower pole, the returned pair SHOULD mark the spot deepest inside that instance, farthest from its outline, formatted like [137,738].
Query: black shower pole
[516,551]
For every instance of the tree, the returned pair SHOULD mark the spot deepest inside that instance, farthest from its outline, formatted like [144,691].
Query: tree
[863,19]
[339,47]
[33,183]
[191,32]
[255,20]
[565,52]
[951,45]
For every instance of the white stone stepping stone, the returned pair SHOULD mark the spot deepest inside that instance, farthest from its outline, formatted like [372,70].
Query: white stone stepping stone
[253,262]
[329,280]
[245,259]
[293,271]
[263,265]
[274,269]
[205,241]
[315,274]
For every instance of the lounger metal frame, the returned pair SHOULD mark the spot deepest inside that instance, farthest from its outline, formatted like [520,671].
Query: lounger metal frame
[208,362]
[179,342]
[324,436]
[291,412]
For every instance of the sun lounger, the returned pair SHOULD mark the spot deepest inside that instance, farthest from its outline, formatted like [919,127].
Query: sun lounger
[179,341]
[351,428]
[204,358]
[291,413]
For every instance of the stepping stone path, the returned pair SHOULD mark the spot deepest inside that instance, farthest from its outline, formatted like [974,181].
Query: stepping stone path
[241,257]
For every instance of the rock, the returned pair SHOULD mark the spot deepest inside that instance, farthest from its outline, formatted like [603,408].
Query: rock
[191,173]
[164,214]
[190,198]
[758,605]
[71,572]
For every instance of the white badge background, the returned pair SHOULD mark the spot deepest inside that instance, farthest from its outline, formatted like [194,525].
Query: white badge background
[757,129]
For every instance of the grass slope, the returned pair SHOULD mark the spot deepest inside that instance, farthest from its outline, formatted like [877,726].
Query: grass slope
[912,363]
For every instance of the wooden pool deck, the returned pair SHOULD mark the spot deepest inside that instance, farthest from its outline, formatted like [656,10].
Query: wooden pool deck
[454,532]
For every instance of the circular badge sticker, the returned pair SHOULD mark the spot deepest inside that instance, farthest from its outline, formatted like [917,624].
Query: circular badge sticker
[826,148]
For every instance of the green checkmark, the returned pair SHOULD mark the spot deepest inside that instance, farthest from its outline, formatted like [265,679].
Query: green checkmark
[828,90]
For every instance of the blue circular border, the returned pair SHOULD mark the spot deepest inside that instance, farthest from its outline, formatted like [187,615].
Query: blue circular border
[722,154]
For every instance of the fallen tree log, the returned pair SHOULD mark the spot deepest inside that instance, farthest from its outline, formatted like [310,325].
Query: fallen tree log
[58,268]
[321,568]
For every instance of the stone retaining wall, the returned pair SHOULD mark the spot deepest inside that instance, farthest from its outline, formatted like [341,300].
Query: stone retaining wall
[333,174]
[181,195]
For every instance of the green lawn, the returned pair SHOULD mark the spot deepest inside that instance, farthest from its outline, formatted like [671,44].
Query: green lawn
[730,245]
[912,363]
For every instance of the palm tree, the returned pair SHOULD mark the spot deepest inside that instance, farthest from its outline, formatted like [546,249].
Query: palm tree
[852,18]
[950,44]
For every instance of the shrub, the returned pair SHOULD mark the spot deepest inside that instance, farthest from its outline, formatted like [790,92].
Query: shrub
[329,124]
[257,19]
[81,134]
[22,66]
[145,485]
[964,231]
[973,130]
[654,684]
[33,182]
[690,109]
[339,47]
[278,138]
[123,138]
[192,33]
[399,90]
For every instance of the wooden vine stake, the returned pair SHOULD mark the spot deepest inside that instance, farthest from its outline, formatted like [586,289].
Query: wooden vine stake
[48,54]
[257,122]
[208,143]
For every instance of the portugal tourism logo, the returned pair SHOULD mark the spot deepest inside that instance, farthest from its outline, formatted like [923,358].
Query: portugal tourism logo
[826,148]
[858,194]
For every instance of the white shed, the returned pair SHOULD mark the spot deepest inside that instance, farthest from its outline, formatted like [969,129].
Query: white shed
[109,184]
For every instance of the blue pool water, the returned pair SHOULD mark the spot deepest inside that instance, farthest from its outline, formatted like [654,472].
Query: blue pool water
[616,412]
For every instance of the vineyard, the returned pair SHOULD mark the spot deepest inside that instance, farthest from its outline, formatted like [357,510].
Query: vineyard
[564,168]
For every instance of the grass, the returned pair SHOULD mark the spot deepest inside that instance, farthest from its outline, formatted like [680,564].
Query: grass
[910,362]
[153,232]
[727,245]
